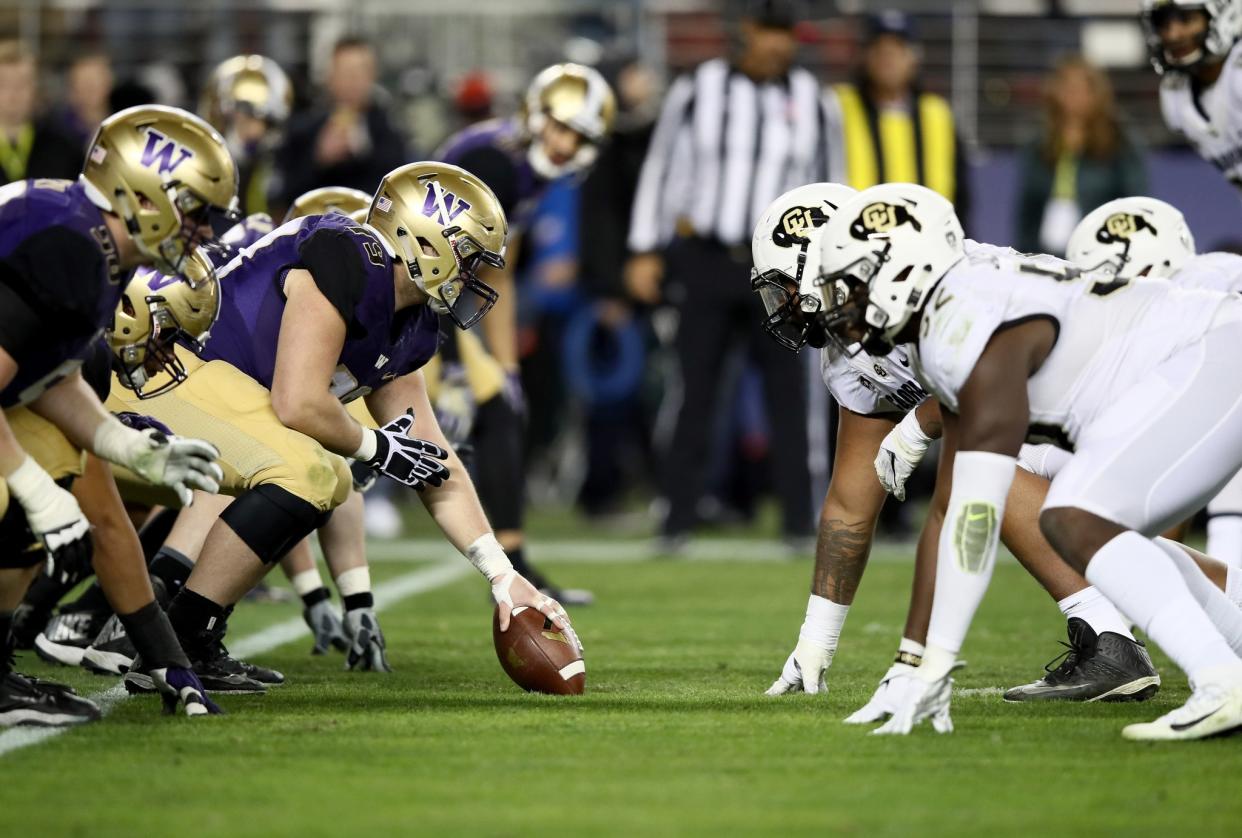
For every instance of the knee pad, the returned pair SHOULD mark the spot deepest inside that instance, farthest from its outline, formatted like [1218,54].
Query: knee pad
[270,520]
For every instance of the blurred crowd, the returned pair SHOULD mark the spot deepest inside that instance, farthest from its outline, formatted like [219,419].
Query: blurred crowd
[602,330]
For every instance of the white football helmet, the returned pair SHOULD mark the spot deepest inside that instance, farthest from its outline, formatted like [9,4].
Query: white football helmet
[1224,28]
[1132,237]
[881,252]
[785,249]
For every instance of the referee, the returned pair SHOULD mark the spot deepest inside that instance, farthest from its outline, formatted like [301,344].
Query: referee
[733,134]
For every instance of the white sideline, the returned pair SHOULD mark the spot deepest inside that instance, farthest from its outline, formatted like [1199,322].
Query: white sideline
[386,594]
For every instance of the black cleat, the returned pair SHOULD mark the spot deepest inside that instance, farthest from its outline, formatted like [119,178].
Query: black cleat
[112,652]
[66,636]
[31,701]
[221,674]
[1107,667]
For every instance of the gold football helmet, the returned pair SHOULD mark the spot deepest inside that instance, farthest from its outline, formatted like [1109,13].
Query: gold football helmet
[163,171]
[250,84]
[327,199]
[155,313]
[578,98]
[444,223]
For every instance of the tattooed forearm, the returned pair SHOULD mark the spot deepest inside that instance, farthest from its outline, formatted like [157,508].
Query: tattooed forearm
[841,552]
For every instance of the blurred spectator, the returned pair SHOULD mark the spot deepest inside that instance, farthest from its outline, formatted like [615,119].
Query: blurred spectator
[615,416]
[472,100]
[30,147]
[88,86]
[1082,159]
[350,140]
[894,131]
[247,98]
[724,147]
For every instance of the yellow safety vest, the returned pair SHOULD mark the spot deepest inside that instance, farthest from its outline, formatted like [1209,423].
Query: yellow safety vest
[897,147]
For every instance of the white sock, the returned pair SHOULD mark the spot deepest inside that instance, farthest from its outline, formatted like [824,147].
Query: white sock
[1144,582]
[306,581]
[1233,585]
[1218,607]
[356,580]
[823,623]
[1224,539]
[1094,608]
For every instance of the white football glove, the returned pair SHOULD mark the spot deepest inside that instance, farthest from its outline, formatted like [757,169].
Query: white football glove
[180,464]
[886,698]
[920,697]
[900,454]
[55,519]
[805,670]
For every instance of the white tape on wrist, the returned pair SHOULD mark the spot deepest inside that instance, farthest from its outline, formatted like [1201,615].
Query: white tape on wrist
[912,435]
[488,557]
[823,623]
[356,580]
[113,441]
[30,484]
[366,449]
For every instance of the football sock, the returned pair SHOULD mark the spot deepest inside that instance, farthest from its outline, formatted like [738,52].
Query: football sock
[1092,607]
[1233,585]
[355,587]
[1143,581]
[1223,613]
[192,614]
[309,586]
[1224,539]
[172,567]
[6,642]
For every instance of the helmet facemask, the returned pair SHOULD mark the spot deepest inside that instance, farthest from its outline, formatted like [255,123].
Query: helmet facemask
[852,323]
[138,363]
[465,298]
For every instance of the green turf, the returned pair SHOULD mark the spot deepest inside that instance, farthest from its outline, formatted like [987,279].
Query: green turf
[674,736]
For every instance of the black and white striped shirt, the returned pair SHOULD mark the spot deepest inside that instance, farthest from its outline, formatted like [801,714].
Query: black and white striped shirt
[726,146]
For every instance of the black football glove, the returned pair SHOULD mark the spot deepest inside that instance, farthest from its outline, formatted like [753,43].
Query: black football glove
[412,462]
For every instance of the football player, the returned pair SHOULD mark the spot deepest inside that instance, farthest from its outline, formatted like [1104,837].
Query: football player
[318,313]
[248,99]
[151,182]
[1132,237]
[567,113]
[887,423]
[1134,378]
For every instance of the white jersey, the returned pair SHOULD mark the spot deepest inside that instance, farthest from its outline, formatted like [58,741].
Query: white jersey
[1212,272]
[1110,334]
[1213,125]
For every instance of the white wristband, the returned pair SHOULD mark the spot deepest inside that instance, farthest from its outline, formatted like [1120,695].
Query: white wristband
[113,441]
[912,435]
[488,557]
[824,619]
[30,484]
[366,450]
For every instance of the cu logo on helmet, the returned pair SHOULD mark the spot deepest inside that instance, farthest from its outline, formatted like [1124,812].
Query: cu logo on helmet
[1122,226]
[795,223]
[162,153]
[442,205]
[881,217]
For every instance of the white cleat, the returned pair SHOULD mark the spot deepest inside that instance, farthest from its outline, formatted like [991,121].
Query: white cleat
[1213,709]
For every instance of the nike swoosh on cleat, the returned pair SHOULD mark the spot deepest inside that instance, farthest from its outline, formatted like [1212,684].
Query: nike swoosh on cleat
[1186,725]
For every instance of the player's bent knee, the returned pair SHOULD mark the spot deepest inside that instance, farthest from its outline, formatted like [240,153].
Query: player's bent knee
[270,520]
[1076,534]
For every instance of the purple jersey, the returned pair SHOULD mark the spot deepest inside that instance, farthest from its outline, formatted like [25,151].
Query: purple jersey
[496,152]
[354,270]
[60,282]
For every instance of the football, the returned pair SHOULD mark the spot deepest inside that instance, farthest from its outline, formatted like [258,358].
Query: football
[538,657]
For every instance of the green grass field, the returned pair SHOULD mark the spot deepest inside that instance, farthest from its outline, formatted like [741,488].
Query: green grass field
[674,735]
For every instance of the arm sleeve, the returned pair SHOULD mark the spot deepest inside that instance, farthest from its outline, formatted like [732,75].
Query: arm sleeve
[493,167]
[645,233]
[335,263]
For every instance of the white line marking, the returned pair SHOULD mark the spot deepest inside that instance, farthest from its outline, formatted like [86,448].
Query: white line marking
[980,692]
[386,594]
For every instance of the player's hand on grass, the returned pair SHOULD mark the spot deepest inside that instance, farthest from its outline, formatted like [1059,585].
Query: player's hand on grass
[511,589]
[366,642]
[900,454]
[180,687]
[804,670]
[923,695]
[325,626]
[886,698]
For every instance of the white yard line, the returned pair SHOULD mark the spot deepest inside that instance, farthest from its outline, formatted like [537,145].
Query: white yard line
[977,692]
[386,594]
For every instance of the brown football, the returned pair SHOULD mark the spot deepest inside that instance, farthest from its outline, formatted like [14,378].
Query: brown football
[537,656]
